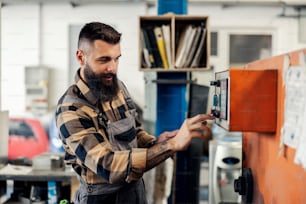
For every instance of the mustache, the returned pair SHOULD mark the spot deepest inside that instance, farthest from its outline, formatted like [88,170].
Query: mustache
[107,75]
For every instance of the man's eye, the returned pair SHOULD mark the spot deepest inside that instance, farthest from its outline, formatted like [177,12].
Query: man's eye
[104,60]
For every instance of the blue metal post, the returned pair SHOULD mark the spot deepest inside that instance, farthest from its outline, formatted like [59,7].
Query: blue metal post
[172,108]
[174,6]
[171,98]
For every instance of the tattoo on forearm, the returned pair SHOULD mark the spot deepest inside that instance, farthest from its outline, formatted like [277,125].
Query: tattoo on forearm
[157,154]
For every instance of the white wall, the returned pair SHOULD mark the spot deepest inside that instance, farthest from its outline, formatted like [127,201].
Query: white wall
[22,46]
[19,48]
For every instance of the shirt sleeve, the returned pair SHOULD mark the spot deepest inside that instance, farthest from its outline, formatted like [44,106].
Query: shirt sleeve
[144,139]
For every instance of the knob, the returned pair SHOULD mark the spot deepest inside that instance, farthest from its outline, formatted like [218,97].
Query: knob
[215,83]
[215,113]
[244,185]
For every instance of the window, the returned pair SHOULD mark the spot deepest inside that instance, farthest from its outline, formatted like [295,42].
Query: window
[247,48]
[213,43]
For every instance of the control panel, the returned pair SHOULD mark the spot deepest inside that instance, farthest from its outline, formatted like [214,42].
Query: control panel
[245,100]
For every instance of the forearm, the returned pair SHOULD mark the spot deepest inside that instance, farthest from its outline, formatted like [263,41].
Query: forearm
[158,153]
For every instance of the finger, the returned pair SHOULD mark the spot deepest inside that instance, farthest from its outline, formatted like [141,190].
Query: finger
[198,126]
[170,136]
[173,132]
[204,122]
[196,134]
[201,133]
[201,118]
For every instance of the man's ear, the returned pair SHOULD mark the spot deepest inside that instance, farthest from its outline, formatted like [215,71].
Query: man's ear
[80,57]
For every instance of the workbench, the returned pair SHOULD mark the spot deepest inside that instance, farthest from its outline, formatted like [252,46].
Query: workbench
[26,183]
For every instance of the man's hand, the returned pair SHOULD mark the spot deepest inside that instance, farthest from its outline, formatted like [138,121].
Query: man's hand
[166,136]
[191,128]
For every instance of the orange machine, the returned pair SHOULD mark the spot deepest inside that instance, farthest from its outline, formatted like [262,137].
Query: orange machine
[246,100]
[277,179]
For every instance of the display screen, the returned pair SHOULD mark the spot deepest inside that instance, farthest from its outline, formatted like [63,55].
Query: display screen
[223,98]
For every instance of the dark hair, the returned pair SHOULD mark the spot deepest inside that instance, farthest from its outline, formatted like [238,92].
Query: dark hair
[99,31]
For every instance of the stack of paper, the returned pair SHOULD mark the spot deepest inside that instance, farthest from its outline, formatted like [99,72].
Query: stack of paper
[190,47]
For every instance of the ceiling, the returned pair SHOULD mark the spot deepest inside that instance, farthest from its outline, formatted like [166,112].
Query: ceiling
[299,5]
[263,2]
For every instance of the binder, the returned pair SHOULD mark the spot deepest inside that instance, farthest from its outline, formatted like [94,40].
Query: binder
[167,39]
[146,63]
[161,46]
[193,47]
[148,47]
[196,60]
[154,48]
[184,45]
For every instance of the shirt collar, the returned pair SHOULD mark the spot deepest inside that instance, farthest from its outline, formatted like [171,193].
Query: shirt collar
[85,91]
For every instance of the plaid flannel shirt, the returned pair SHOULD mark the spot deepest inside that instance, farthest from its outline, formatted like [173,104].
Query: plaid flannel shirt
[86,143]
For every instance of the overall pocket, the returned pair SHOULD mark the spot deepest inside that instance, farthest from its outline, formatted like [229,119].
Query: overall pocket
[122,133]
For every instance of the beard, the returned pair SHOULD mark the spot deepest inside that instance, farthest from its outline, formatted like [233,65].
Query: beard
[103,89]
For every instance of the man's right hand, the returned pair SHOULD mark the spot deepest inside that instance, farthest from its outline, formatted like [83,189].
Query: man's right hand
[191,128]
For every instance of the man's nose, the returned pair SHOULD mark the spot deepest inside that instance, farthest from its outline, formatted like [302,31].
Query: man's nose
[112,64]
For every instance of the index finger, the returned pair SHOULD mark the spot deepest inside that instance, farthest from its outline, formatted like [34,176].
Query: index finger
[202,118]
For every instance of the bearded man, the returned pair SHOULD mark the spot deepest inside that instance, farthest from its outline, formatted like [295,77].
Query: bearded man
[103,140]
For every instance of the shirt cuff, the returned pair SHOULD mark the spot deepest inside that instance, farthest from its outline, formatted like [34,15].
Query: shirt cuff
[138,164]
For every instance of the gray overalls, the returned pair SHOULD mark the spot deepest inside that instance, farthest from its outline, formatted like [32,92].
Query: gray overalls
[122,136]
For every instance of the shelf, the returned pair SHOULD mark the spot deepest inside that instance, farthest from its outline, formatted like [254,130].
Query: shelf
[185,49]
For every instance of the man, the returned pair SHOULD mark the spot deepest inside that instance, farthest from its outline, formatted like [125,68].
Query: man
[96,119]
